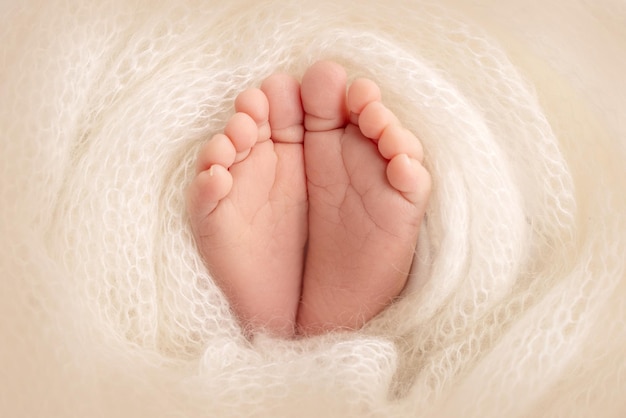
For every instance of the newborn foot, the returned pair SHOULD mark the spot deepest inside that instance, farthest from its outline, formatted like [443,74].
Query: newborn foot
[248,206]
[367,196]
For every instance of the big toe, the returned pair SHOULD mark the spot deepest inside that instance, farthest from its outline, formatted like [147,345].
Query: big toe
[285,108]
[323,95]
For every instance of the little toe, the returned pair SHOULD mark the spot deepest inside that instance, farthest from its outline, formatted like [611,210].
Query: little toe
[243,132]
[285,108]
[254,103]
[206,191]
[361,93]
[410,178]
[374,118]
[323,95]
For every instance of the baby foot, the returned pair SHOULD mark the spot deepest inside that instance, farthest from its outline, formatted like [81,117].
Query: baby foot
[367,196]
[248,206]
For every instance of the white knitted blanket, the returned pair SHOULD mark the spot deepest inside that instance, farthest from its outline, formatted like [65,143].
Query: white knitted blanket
[517,307]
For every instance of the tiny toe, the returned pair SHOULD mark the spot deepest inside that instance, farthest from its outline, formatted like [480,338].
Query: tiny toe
[374,118]
[398,140]
[207,189]
[243,133]
[254,103]
[218,150]
[323,94]
[360,93]
[285,108]
[410,178]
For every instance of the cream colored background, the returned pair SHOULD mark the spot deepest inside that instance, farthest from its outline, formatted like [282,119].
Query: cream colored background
[517,305]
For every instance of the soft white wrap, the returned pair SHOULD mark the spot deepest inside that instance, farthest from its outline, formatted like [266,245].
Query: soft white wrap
[518,304]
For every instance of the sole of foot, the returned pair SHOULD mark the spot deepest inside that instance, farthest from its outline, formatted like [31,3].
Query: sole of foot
[248,206]
[367,192]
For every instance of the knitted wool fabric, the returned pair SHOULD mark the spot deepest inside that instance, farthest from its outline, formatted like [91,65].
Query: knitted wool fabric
[517,304]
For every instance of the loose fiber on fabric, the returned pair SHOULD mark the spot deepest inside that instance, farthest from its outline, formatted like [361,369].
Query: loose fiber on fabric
[516,305]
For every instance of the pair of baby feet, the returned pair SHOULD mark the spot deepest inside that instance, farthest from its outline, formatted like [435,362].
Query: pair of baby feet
[307,208]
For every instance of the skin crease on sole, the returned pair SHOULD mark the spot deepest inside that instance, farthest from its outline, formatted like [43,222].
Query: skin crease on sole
[318,165]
